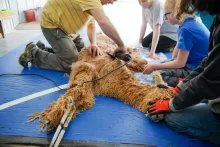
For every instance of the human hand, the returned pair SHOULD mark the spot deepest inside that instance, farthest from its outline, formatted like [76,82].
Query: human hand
[176,89]
[152,56]
[140,41]
[122,49]
[158,107]
[94,50]
[148,69]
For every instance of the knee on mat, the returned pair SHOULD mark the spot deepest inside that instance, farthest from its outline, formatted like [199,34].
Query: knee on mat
[174,122]
[163,50]
[144,44]
[70,58]
[177,122]
[171,81]
[74,57]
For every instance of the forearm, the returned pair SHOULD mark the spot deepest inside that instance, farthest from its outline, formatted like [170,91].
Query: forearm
[167,65]
[107,26]
[142,31]
[109,29]
[175,53]
[156,36]
[91,32]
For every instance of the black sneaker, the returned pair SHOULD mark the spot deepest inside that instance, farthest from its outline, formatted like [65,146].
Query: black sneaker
[79,46]
[25,57]
[42,46]
[78,43]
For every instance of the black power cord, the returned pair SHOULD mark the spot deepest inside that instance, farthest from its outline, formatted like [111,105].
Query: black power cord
[94,80]
[72,86]
[32,74]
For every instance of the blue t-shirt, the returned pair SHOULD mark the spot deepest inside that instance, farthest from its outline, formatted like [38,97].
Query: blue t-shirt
[193,37]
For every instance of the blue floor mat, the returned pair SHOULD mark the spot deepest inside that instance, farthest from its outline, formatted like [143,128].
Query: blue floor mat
[109,120]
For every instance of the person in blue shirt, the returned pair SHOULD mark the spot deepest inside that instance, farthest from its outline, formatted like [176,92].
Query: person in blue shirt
[191,48]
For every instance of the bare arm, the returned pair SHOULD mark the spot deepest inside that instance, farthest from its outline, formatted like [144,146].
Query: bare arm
[178,63]
[106,26]
[91,32]
[156,35]
[175,52]
[143,30]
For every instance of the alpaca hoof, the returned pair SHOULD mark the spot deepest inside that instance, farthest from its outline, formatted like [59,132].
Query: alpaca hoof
[157,117]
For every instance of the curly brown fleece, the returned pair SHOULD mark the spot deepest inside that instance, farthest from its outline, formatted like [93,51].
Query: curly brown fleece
[120,84]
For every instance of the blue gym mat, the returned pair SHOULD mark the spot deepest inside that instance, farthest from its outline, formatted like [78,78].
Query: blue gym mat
[108,121]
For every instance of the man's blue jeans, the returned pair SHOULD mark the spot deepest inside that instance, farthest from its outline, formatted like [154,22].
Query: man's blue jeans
[197,121]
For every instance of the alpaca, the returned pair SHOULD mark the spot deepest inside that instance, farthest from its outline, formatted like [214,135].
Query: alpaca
[120,84]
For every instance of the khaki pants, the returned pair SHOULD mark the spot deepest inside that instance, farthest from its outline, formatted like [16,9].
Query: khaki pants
[65,51]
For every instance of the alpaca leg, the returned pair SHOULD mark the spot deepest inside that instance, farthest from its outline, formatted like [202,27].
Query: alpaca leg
[51,117]
[158,79]
[122,85]
[81,94]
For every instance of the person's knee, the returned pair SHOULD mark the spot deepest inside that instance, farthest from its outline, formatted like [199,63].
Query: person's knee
[70,58]
[169,77]
[67,49]
[171,81]
[161,49]
[145,43]
[174,122]
[75,57]
[179,123]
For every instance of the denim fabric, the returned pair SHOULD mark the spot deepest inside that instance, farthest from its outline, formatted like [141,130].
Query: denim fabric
[197,121]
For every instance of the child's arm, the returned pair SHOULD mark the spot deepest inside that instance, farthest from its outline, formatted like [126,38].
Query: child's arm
[156,35]
[143,30]
[180,62]
[175,52]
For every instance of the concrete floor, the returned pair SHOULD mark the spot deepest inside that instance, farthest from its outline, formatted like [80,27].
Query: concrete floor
[16,38]
[125,15]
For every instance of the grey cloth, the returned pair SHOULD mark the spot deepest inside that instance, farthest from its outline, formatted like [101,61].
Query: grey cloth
[65,51]
[215,105]
[171,76]
[155,15]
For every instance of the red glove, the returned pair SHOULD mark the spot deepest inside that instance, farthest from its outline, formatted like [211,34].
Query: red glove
[175,89]
[158,107]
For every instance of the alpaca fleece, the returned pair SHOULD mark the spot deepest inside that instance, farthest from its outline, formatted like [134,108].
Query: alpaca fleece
[120,84]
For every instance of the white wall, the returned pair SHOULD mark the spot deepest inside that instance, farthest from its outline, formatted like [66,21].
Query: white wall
[19,7]
[24,5]
[7,24]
